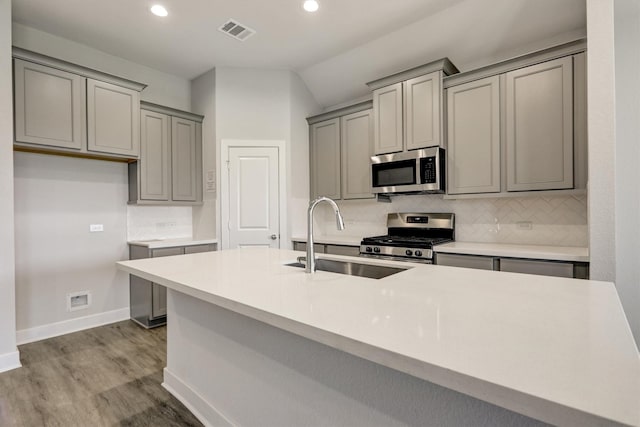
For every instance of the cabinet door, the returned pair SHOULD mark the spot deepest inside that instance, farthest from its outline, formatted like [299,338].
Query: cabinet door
[473,133]
[155,161]
[195,249]
[387,113]
[422,106]
[184,159]
[159,292]
[113,119]
[543,268]
[539,141]
[49,106]
[325,159]
[356,141]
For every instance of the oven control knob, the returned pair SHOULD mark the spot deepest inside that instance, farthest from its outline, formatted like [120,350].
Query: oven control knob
[408,252]
[418,253]
[376,249]
[369,249]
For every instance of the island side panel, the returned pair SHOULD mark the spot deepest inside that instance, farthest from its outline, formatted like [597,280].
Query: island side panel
[231,369]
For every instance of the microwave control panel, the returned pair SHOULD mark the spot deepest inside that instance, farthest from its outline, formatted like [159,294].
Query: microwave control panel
[428,168]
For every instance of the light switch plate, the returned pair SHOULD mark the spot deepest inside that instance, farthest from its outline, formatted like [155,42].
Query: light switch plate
[93,228]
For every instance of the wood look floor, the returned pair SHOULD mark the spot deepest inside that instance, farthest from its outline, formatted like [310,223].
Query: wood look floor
[106,376]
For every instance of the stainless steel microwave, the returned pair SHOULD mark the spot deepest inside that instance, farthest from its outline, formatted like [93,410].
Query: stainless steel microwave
[417,171]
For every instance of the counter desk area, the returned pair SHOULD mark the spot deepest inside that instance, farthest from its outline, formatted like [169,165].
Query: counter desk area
[252,341]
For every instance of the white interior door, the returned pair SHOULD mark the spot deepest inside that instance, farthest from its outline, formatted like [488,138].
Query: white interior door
[254,200]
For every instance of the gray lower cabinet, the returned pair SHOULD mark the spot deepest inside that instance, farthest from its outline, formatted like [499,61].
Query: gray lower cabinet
[148,300]
[322,248]
[577,270]
[302,246]
[542,268]
[62,108]
[169,170]
[467,261]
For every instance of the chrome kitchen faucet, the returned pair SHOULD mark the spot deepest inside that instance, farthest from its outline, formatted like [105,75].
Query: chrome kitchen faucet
[311,256]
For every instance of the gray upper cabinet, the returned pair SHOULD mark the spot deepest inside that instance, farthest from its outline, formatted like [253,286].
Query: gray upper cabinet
[539,126]
[185,159]
[73,110]
[407,115]
[325,159]
[341,145]
[169,171]
[49,106]
[155,160]
[423,111]
[357,131]
[113,119]
[473,120]
[407,108]
[519,125]
[387,110]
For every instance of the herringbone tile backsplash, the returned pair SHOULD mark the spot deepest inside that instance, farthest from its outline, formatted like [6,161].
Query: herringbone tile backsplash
[557,221]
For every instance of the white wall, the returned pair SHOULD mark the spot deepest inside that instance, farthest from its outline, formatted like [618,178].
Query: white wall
[267,105]
[70,180]
[8,352]
[203,101]
[627,211]
[601,128]
[303,105]
[56,199]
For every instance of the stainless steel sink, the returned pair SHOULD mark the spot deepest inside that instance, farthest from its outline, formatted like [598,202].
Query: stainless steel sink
[352,268]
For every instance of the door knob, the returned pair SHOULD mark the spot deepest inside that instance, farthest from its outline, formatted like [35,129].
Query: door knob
[273,237]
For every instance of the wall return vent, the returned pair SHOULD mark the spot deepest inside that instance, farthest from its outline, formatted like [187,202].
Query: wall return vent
[238,31]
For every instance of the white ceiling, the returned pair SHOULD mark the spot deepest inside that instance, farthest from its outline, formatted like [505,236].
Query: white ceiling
[336,50]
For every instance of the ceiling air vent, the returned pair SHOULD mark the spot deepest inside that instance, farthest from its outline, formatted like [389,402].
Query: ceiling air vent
[237,31]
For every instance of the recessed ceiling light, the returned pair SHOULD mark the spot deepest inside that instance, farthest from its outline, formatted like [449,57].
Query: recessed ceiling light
[310,5]
[158,10]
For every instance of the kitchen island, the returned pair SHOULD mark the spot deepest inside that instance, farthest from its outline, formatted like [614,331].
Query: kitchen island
[252,341]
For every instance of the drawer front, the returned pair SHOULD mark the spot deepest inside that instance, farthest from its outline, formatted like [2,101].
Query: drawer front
[466,261]
[343,250]
[199,248]
[543,268]
[155,253]
[302,246]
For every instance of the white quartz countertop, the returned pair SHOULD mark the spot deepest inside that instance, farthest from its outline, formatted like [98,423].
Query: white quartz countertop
[170,243]
[559,350]
[332,240]
[555,253]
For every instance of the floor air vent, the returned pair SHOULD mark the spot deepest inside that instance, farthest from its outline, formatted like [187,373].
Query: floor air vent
[236,30]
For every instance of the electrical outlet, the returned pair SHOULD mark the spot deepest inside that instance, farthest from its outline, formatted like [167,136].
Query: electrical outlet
[93,228]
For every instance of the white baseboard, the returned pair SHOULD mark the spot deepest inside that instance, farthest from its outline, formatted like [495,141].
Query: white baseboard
[200,408]
[9,361]
[25,336]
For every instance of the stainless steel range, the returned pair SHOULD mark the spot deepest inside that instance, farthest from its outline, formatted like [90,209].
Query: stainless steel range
[411,237]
